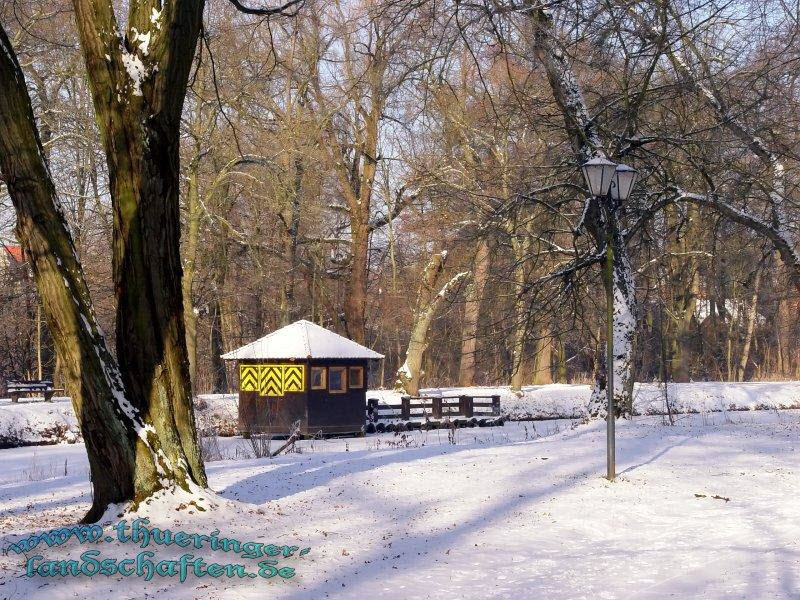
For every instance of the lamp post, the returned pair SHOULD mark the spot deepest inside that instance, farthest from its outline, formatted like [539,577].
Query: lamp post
[611,184]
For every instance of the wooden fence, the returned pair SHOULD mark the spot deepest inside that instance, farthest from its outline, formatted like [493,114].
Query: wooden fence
[436,408]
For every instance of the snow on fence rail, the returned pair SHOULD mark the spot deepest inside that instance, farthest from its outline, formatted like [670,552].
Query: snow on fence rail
[414,412]
[436,407]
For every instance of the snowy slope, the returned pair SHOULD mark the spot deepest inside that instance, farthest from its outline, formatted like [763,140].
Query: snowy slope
[555,401]
[35,421]
[704,509]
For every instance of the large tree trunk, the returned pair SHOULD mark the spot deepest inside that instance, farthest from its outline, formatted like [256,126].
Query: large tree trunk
[138,81]
[122,449]
[472,307]
[429,298]
[783,320]
[219,372]
[624,332]
[291,221]
[222,318]
[355,163]
[679,278]
[356,300]
[681,354]
[585,140]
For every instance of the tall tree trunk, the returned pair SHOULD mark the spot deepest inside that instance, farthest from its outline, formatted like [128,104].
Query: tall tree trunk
[583,135]
[219,373]
[120,446]
[782,353]
[752,314]
[193,217]
[682,351]
[561,366]
[472,306]
[682,282]
[429,297]
[356,300]
[138,82]
[624,328]
[356,166]
[521,245]
[221,319]
[291,220]
[519,228]
[543,360]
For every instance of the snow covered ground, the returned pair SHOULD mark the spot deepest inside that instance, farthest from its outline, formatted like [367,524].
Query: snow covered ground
[46,422]
[707,508]
[35,421]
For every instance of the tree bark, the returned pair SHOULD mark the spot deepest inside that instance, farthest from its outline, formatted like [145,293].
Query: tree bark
[355,163]
[291,234]
[472,308]
[752,314]
[521,245]
[118,443]
[583,135]
[138,82]
[219,372]
[193,215]
[543,361]
[624,332]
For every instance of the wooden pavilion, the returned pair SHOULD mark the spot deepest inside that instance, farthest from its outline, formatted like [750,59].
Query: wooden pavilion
[306,373]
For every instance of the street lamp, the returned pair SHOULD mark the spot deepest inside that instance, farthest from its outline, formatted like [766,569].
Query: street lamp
[598,173]
[622,182]
[613,184]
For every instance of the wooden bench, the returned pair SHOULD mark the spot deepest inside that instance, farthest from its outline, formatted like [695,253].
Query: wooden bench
[17,389]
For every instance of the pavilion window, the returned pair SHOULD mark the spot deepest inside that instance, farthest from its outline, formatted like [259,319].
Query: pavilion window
[337,380]
[319,378]
[356,378]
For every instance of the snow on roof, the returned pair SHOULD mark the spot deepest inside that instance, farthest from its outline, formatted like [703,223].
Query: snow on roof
[302,339]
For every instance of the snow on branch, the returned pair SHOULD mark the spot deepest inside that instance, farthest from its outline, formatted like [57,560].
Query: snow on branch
[428,301]
[288,9]
[778,230]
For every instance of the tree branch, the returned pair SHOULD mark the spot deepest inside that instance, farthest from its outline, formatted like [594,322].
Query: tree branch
[400,203]
[268,12]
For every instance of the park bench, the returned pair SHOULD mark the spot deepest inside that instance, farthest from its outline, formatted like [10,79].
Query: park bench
[17,389]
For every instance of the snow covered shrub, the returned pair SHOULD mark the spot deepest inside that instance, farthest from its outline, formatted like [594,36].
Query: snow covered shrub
[260,444]
[209,445]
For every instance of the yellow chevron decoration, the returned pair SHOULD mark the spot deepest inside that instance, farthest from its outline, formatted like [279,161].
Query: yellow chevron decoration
[272,381]
[293,378]
[248,378]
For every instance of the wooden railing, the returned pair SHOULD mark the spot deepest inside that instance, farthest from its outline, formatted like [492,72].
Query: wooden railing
[435,407]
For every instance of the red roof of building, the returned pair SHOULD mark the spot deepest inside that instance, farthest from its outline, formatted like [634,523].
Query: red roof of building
[15,252]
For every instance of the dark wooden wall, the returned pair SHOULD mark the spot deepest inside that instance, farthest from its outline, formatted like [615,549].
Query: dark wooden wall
[337,413]
[318,411]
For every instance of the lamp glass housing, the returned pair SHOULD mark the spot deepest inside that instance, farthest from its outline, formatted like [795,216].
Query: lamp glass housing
[622,182]
[598,173]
